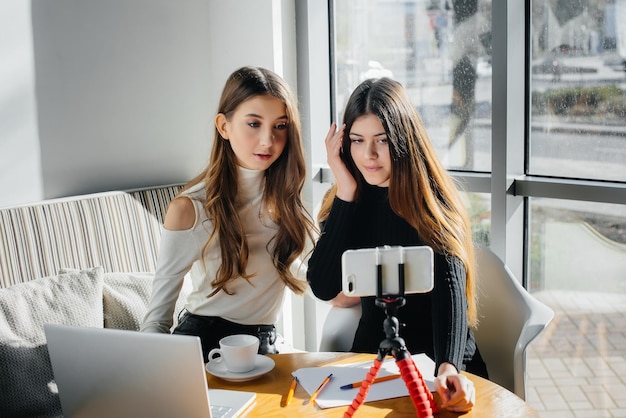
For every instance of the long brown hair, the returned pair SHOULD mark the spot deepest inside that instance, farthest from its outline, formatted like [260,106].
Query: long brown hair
[420,190]
[284,181]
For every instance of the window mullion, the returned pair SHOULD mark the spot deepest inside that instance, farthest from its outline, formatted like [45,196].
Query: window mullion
[508,132]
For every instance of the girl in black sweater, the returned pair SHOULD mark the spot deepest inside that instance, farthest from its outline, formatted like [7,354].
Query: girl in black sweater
[390,189]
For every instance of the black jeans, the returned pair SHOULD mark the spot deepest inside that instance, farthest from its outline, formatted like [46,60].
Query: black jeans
[211,329]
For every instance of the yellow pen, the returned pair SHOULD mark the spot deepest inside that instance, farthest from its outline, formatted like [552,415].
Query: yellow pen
[320,388]
[292,389]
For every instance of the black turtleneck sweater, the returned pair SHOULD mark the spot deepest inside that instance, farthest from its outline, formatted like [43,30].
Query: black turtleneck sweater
[435,322]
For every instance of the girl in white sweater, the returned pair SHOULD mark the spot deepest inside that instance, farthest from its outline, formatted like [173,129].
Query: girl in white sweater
[240,226]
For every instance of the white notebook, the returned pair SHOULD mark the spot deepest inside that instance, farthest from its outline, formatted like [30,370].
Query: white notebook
[333,396]
[113,373]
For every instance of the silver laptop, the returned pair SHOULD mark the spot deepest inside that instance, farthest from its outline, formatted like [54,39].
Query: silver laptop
[113,373]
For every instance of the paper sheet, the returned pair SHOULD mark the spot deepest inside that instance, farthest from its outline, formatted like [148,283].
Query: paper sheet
[332,396]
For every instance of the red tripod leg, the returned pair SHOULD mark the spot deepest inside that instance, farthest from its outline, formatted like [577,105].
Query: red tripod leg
[365,387]
[423,400]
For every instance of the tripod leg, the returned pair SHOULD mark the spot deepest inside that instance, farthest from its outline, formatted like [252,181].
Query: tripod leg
[365,387]
[423,400]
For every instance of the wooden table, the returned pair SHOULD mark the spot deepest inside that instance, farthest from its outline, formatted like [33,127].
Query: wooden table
[492,400]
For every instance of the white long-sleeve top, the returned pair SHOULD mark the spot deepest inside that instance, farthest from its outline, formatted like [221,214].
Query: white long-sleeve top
[257,301]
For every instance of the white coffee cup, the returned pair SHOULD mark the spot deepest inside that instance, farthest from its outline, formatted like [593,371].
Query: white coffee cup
[238,352]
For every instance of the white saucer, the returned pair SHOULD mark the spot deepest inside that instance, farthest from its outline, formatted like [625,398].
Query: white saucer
[263,365]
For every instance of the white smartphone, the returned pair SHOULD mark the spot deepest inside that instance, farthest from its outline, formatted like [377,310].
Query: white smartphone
[360,270]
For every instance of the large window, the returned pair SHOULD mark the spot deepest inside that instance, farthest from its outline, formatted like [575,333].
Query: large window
[440,51]
[530,115]
[578,102]
[577,116]
[577,249]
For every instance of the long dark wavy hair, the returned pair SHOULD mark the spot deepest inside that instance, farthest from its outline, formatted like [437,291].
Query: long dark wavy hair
[420,189]
[282,195]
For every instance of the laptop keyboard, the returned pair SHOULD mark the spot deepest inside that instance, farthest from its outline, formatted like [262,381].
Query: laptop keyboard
[218,411]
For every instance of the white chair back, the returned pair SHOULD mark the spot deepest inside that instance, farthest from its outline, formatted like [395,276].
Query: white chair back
[510,318]
[339,328]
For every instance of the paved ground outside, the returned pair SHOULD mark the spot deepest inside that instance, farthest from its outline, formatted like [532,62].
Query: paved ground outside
[577,366]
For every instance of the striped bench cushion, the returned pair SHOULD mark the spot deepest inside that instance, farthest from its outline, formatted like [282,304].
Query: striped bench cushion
[117,230]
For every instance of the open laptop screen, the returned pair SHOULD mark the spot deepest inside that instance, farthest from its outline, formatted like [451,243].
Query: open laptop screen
[113,373]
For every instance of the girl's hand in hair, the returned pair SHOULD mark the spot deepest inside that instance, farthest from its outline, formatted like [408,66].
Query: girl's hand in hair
[346,185]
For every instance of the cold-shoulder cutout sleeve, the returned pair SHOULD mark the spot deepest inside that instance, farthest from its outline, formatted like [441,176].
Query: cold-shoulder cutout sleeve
[181,214]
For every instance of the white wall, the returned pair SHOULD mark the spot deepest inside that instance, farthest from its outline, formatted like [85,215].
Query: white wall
[99,95]
[122,92]
[20,167]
